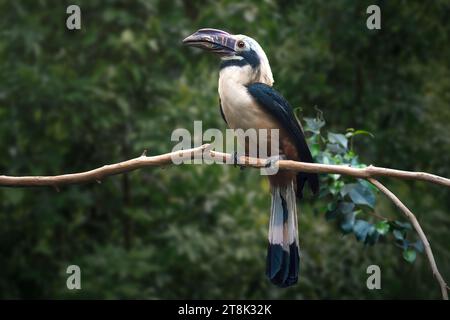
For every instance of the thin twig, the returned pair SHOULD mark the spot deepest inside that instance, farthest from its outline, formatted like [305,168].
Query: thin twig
[419,231]
[378,216]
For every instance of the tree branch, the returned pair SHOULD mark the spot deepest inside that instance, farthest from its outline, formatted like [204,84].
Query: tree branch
[363,173]
[205,152]
[419,231]
[100,173]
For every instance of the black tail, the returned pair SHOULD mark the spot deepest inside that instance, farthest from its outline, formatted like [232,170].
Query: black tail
[283,254]
[313,181]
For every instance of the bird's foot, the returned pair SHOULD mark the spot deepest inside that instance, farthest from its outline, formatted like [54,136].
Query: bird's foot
[272,160]
[236,161]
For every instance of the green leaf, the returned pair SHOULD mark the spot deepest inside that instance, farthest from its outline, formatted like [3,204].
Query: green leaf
[418,245]
[336,187]
[361,229]
[372,236]
[338,138]
[332,206]
[347,222]
[359,194]
[349,155]
[313,125]
[398,235]
[346,207]
[403,225]
[332,211]
[346,189]
[335,176]
[382,227]
[336,148]
[358,132]
[367,184]
[409,255]
[315,149]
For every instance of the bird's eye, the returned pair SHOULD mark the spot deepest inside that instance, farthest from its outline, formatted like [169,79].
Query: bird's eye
[241,44]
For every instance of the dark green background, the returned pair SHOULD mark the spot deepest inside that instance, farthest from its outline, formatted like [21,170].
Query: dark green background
[74,100]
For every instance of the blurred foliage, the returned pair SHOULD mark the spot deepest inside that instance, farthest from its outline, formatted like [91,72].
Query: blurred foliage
[349,200]
[75,100]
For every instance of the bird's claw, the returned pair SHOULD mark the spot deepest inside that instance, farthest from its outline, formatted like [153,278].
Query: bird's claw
[272,160]
[236,161]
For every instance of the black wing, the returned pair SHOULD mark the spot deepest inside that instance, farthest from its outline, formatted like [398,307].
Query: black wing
[279,108]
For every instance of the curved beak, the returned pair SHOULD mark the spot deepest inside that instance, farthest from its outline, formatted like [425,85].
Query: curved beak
[212,40]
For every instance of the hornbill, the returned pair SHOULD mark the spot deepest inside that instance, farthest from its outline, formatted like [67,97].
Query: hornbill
[247,100]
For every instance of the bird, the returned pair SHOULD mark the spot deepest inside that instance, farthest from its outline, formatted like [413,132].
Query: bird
[247,100]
